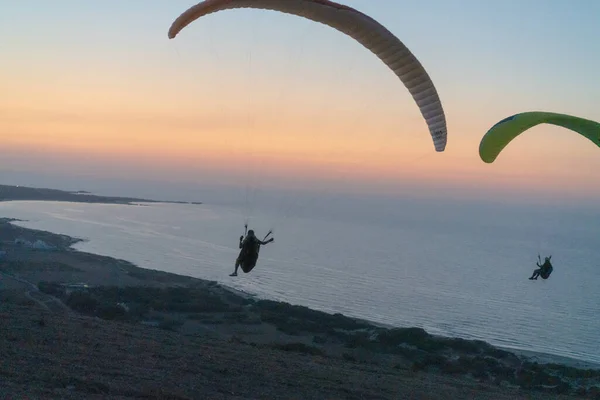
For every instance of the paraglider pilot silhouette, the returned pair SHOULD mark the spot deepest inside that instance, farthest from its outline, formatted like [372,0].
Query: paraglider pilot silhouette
[544,269]
[250,247]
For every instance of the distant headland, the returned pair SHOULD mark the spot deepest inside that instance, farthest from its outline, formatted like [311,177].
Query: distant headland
[15,193]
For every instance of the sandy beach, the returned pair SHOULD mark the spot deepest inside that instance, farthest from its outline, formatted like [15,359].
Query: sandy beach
[79,325]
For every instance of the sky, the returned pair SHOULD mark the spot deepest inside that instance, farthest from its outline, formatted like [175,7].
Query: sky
[93,95]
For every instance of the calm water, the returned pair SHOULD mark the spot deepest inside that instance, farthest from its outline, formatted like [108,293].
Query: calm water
[456,270]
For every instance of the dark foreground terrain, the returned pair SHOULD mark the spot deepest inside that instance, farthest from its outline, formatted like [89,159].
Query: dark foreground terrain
[57,356]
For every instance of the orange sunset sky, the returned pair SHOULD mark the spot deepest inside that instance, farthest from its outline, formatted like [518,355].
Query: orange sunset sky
[97,90]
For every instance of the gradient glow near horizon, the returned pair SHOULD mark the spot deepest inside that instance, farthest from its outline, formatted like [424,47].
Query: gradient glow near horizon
[97,89]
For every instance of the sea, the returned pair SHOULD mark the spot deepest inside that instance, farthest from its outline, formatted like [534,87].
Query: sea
[453,268]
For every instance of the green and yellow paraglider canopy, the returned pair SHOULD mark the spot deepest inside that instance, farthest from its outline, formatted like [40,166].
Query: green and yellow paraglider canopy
[498,137]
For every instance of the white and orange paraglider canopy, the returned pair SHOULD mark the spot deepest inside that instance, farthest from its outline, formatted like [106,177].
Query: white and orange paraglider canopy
[362,28]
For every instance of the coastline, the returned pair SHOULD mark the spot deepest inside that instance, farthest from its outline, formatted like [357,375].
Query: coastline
[545,358]
[532,356]
[222,313]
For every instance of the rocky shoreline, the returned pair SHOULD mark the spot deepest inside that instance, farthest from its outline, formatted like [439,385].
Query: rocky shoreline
[72,300]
